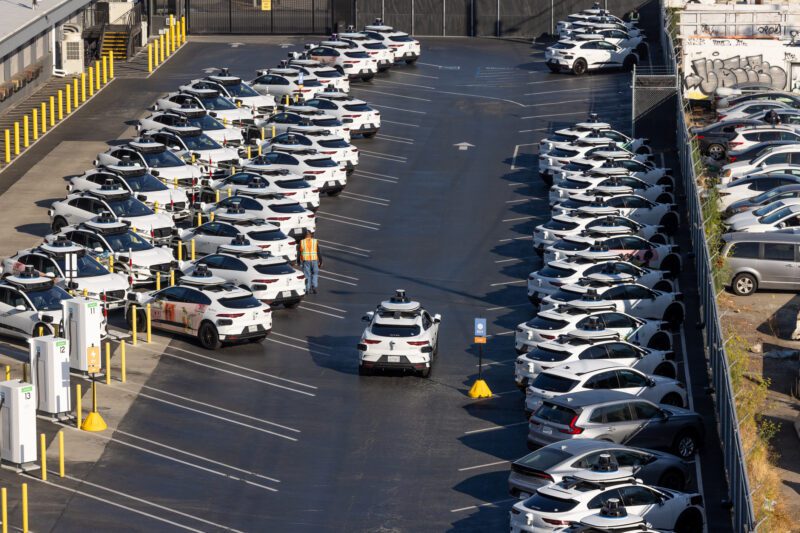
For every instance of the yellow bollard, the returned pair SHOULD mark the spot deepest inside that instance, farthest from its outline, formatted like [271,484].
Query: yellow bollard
[35,123]
[60,105]
[83,87]
[78,408]
[199,217]
[158,281]
[273,131]
[111,263]
[249,155]
[155,207]
[91,81]
[85,293]
[26,140]
[75,93]
[111,64]
[41,330]
[24,508]
[123,375]
[147,314]
[61,453]
[8,372]
[7,144]
[192,247]
[149,57]
[133,324]
[44,118]
[68,98]
[43,446]
[230,192]
[105,70]
[180,250]
[96,74]
[216,195]
[171,278]
[16,138]
[108,363]
[211,216]
[52,111]
[4,508]
[183,29]
[262,133]
[162,47]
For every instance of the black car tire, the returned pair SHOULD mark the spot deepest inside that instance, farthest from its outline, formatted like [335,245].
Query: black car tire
[579,67]
[553,68]
[659,238]
[670,223]
[672,479]
[370,135]
[141,318]
[629,63]
[674,315]
[292,304]
[666,370]
[666,180]
[334,193]
[716,151]
[744,284]
[664,198]
[660,341]
[411,61]
[689,521]
[672,399]
[685,444]
[671,264]
[644,150]
[208,336]
[58,224]
[663,286]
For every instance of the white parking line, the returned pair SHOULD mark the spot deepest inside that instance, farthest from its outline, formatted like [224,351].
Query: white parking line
[338,275]
[356,199]
[349,218]
[318,312]
[525,238]
[338,281]
[489,504]
[338,249]
[535,129]
[508,282]
[516,152]
[495,428]
[384,158]
[377,198]
[559,103]
[487,465]
[393,94]
[381,80]
[361,175]
[508,260]
[518,201]
[497,363]
[572,90]
[387,138]
[296,347]
[398,109]
[394,72]
[361,171]
[399,123]
[310,343]
[346,222]
[325,307]
[507,306]
[527,217]
[556,114]
[409,139]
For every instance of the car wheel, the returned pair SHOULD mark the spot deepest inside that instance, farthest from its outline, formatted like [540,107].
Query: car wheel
[685,445]
[425,373]
[659,238]
[411,61]
[363,371]
[367,77]
[670,223]
[292,304]
[644,150]
[666,180]
[255,340]
[641,50]
[672,399]
[579,67]
[672,479]
[554,69]
[629,63]
[370,135]
[208,336]
[671,264]
[716,151]
[141,320]
[58,224]
[663,286]
[664,198]
[674,315]
[660,341]
[744,284]
[334,192]
[691,520]
[666,370]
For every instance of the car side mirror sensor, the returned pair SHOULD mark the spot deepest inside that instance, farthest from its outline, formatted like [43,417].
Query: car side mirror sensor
[437,318]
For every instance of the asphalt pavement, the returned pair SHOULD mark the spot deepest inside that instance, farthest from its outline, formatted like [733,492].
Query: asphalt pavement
[285,435]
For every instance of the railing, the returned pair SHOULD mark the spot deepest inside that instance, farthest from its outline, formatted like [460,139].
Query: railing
[741,500]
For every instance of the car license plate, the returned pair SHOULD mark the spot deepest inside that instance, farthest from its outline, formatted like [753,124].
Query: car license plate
[251,329]
[393,358]
[286,294]
[547,430]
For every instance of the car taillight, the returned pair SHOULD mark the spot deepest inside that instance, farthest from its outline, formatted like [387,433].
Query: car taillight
[314,190]
[230,315]
[701,137]
[720,117]
[556,283]
[555,522]
[548,337]
[731,144]
[573,429]
[351,62]
[349,116]
[279,219]
[264,280]
[329,153]
[301,276]
[264,246]
[313,172]
[368,341]
[732,158]
[288,193]
[541,475]
[418,343]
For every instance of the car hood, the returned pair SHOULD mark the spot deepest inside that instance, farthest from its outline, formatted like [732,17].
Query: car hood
[750,225]
[154,256]
[742,219]
[98,284]
[220,154]
[261,100]
[240,113]
[738,166]
[150,222]
[165,197]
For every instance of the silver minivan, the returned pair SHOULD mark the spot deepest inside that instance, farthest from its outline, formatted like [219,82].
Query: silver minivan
[762,261]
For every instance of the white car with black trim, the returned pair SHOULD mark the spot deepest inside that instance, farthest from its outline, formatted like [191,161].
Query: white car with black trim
[338,54]
[611,186]
[235,89]
[272,280]
[90,278]
[320,171]
[158,228]
[212,101]
[580,345]
[549,325]
[319,139]
[191,142]
[580,55]
[625,296]
[160,161]
[593,131]
[561,164]
[302,118]
[598,374]
[292,218]
[134,257]
[193,117]
[597,260]
[631,206]
[209,236]
[362,119]
[405,47]
[644,170]
[138,182]
[274,182]
[562,226]
[30,303]
[376,48]
[656,254]
[401,335]
[205,307]
[327,75]
[284,81]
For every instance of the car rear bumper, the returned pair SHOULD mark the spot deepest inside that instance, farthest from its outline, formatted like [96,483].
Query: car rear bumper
[232,335]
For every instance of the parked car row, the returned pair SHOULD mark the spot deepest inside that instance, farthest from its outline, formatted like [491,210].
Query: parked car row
[609,419]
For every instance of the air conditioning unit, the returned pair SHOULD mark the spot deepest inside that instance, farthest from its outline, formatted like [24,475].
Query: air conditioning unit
[72,49]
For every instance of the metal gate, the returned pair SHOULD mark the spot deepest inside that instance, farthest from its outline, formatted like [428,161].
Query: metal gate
[259,16]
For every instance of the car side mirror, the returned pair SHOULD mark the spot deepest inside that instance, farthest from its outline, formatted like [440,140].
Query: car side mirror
[664,415]
[47,319]
[651,382]
[365,318]
[155,173]
[437,318]
[50,275]
[368,316]
[20,308]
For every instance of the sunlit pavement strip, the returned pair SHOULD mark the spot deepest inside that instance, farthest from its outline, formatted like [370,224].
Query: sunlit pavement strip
[508,282]
[398,109]
[489,504]
[401,123]
[487,465]
[495,428]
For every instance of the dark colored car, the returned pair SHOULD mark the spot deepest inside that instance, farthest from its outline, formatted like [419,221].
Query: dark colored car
[714,138]
[755,150]
[766,197]
[791,99]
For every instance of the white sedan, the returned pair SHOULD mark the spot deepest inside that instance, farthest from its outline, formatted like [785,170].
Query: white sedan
[786,217]
[292,218]
[32,303]
[210,100]
[195,117]
[362,119]
[652,254]
[319,139]
[629,205]
[561,226]
[274,182]
[327,75]
[159,161]
[320,171]
[580,55]
[405,47]
[614,186]
[284,81]
[302,118]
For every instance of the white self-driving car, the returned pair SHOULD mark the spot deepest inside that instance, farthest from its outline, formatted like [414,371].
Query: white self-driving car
[236,90]
[361,118]
[292,218]
[274,182]
[401,335]
[562,226]
[31,305]
[352,62]
[161,162]
[319,139]
[191,142]
[328,76]
[580,55]
[194,117]
[284,81]
[405,47]
[212,101]
[376,48]
[320,171]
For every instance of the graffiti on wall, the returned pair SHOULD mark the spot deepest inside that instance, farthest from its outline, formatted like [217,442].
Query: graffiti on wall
[708,75]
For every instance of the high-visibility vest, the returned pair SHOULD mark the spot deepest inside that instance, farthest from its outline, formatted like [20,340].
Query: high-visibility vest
[308,249]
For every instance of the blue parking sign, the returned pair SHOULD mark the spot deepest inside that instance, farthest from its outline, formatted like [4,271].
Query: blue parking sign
[480,327]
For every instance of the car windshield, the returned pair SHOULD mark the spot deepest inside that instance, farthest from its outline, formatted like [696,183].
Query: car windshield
[129,207]
[562,46]
[766,195]
[395,330]
[217,103]
[122,242]
[549,271]
[549,504]
[293,184]
[775,216]
[240,90]
[573,185]
[543,459]
[206,123]
[578,167]
[552,383]
[48,299]
[266,235]
[145,183]
[240,302]
[571,246]
[767,209]
[547,324]
[275,270]
[200,142]
[559,225]
[555,413]
[334,143]
[163,159]
[87,266]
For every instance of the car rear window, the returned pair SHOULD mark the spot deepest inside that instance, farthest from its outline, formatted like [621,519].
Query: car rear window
[547,356]
[357,55]
[293,184]
[325,162]
[392,330]
[240,302]
[549,504]
[549,271]
[327,122]
[561,152]
[544,458]
[267,235]
[580,167]
[563,46]
[401,39]
[571,246]
[552,383]
[274,270]
[334,143]
[548,324]
[555,413]
[358,107]
[287,208]
[558,225]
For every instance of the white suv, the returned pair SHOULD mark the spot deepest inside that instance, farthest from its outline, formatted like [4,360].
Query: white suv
[353,62]
[580,56]
[360,117]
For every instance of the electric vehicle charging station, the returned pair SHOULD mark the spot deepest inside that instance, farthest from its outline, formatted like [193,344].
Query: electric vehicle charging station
[50,362]
[18,424]
[83,324]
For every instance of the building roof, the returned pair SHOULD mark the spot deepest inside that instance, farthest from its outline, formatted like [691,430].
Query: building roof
[21,22]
